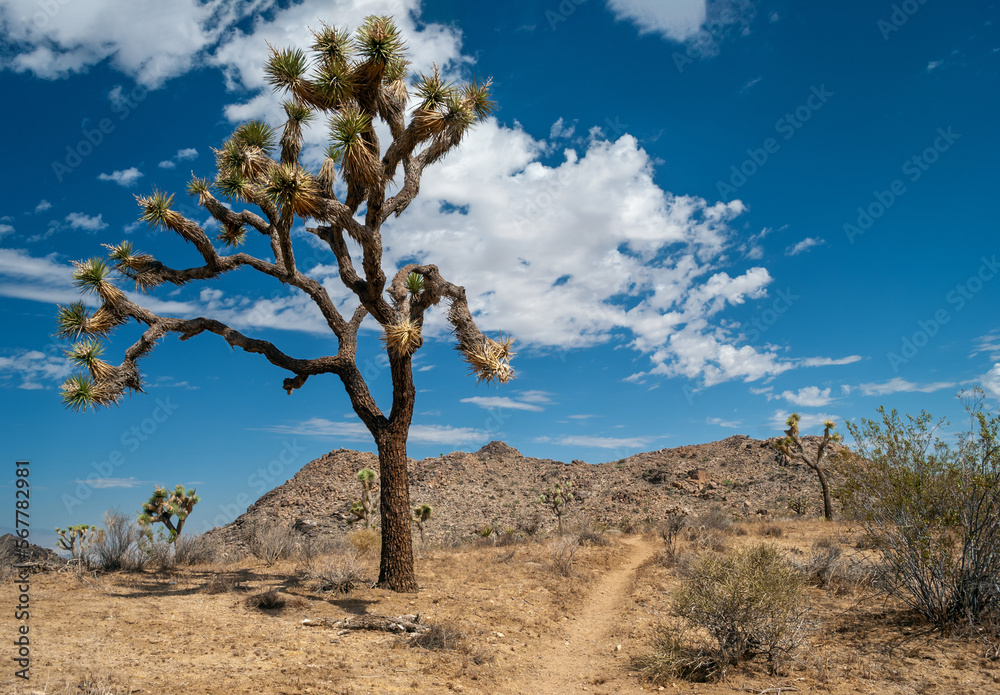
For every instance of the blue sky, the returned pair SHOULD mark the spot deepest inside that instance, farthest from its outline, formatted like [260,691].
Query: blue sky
[695,219]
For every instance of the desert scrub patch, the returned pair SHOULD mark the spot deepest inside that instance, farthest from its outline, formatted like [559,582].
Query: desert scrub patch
[365,540]
[749,602]
[341,573]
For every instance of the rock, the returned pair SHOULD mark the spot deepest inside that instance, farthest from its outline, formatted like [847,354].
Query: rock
[699,475]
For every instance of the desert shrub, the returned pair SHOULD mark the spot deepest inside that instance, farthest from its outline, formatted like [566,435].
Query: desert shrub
[674,657]
[365,541]
[563,552]
[715,518]
[342,573]
[506,537]
[222,584]
[529,524]
[267,600]
[747,601]
[196,550]
[119,549]
[590,532]
[269,541]
[828,567]
[703,538]
[674,522]
[798,504]
[440,637]
[932,509]
[770,530]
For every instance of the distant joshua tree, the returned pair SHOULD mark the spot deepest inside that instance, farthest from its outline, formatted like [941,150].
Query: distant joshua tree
[348,82]
[791,446]
[421,515]
[163,506]
[78,539]
[556,498]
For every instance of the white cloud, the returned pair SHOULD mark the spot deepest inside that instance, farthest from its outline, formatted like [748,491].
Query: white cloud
[167,164]
[829,361]
[489,402]
[353,430]
[677,20]
[123,177]
[900,385]
[750,85]
[934,65]
[731,424]
[107,483]
[598,442]
[989,344]
[6,229]
[809,397]
[42,206]
[186,154]
[803,245]
[79,220]
[561,130]
[150,41]
[27,368]
[809,421]
[990,381]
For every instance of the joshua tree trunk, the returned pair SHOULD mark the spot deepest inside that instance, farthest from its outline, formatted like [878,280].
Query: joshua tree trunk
[396,566]
[792,447]
[823,483]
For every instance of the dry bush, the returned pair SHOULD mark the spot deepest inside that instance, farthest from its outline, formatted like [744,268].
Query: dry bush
[715,518]
[770,530]
[563,553]
[507,537]
[88,685]
[196,550]
[267,600]
[748,602]
[674,523]
[119,548]
[441,637]
[269,541]
[222,584]
[702,538]
[675,658]
[530,524]
[829,568]
[589,532]
[506,555]
[342,573]
[365,540]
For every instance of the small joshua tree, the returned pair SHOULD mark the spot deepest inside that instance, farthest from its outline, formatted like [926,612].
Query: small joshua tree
[363,508]
[556,498]
[78,539]
[421,515]
[163,506]
[792,447]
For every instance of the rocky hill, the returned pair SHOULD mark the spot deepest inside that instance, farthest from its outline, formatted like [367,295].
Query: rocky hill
[498,487]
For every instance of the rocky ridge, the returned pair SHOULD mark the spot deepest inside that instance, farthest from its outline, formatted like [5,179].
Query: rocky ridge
[497,487]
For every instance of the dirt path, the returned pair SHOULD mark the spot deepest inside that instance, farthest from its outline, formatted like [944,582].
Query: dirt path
[583,654]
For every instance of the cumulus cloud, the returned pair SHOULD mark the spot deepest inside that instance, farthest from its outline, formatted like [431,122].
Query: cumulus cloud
[79,220]
[808,397]
[677,20]
[900,385]
[803,246]
[990,381]
[183,155]
[6,229]
[32,369]
[42,206]
[125,177]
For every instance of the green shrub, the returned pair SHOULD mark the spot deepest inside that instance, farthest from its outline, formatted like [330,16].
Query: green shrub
[932,509]
[749,603]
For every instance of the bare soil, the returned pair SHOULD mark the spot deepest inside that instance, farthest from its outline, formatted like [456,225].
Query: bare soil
[510,623]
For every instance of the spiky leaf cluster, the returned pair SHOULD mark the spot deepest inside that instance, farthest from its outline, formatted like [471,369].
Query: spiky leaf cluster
[490,359]
[78,539]
[163,505]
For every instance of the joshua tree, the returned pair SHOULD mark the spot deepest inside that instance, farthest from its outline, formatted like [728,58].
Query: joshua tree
[350,82]
[791,446]
[366,476]
[78,539]
[421,514]
[556,498]
[163,506]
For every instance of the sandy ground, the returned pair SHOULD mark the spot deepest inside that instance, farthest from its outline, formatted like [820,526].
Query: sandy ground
[515,625]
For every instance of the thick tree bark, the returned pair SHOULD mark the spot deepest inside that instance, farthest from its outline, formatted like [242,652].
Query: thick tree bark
[396,567]
[824,483]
